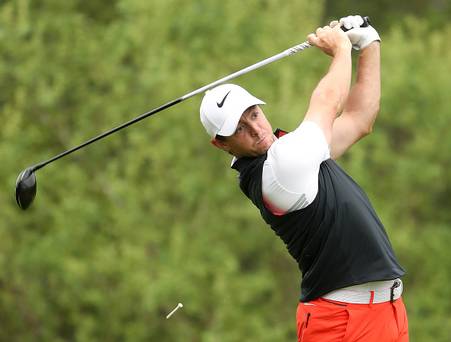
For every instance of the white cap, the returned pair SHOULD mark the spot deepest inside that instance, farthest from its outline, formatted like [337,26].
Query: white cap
[222,107]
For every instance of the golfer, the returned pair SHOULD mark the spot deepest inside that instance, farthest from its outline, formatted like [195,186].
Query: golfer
[351,287]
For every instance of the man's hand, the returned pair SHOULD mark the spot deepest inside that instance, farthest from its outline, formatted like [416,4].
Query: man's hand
[330,40]
[360,37]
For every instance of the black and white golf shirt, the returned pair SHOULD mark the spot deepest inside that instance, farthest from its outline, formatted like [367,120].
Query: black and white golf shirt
[325,219]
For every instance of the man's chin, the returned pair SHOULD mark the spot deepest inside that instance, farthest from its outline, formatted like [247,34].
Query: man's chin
[264,145]
[261,151]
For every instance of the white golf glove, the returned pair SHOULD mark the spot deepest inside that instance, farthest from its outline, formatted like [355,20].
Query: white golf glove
[360,37]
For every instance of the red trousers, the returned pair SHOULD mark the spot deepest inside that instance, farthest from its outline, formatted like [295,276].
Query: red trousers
[322,320]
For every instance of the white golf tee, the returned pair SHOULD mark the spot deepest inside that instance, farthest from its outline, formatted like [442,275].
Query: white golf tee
[179,305]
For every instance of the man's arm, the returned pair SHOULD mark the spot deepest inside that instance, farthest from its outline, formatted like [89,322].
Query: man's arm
[332,91]
[362,106]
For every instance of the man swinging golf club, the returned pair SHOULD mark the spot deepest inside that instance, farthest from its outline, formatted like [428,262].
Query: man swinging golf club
[351,287]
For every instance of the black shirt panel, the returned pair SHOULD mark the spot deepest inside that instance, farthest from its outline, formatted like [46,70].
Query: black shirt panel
[337,240]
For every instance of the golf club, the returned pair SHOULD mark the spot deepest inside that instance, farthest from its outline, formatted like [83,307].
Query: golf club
[26,184]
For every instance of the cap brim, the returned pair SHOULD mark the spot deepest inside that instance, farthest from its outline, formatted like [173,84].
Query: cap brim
[230,124]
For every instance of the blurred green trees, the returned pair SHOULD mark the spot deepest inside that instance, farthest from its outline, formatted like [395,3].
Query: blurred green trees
[124,230]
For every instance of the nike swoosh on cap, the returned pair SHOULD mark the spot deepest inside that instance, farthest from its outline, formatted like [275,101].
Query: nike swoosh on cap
[220,104]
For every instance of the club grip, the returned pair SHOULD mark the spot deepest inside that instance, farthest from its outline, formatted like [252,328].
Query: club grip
[366,22]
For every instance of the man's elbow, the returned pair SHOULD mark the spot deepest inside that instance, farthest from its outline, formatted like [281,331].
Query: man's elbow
[367,127]
[367,130]
[331,99]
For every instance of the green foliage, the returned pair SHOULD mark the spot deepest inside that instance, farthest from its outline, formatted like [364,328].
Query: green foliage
[124,230]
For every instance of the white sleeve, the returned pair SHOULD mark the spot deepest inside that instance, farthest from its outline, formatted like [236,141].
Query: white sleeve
[290,172]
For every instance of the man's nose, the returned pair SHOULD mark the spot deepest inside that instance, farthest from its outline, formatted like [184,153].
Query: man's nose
[255,129]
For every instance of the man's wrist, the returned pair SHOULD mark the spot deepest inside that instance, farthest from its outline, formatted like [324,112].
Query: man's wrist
[343,48]
[375,44]
[343,52]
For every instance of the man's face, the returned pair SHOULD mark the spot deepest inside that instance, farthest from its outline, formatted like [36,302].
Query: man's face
[253,135]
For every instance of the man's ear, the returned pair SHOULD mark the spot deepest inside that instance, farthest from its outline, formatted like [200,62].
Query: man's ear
[220,144]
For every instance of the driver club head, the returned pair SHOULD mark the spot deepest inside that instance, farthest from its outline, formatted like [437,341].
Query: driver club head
[26,188]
